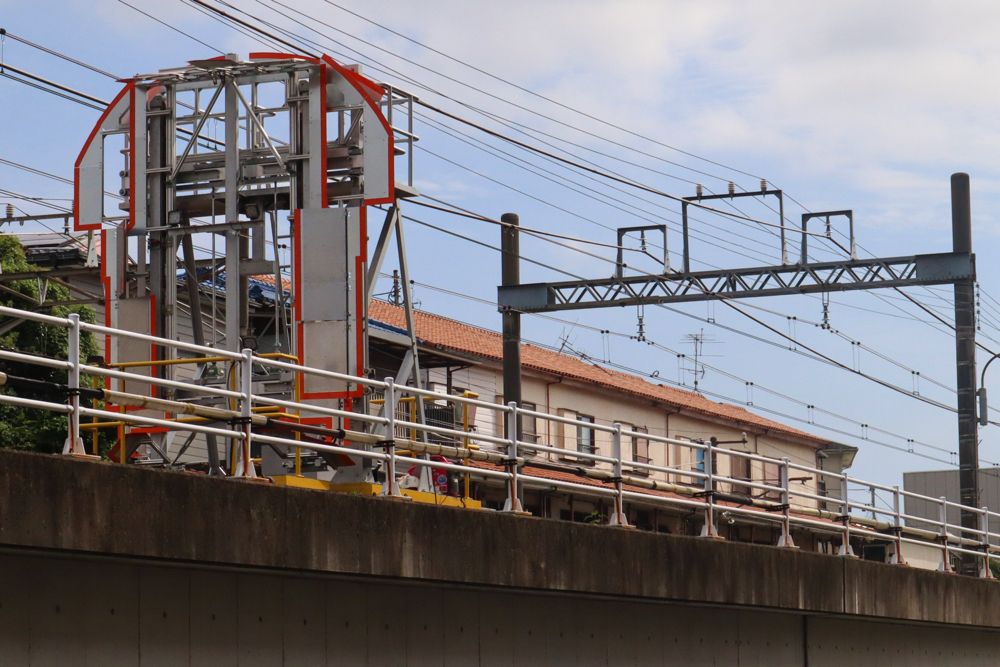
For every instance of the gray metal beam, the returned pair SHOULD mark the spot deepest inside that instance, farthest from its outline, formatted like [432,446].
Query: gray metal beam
[381,250]
[855,274]
[234,299]
[965,363]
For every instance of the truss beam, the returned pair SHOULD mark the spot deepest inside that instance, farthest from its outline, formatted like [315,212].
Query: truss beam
[855,274]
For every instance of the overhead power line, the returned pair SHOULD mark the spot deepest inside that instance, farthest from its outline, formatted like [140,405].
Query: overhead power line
[51,91]
[469,214]
[53,52]
[171,27]
[603,174]
[534,93]
[62,55]
[508,101]
[235,19]
[812,352]
[720,212]
[658,377]
[508,122]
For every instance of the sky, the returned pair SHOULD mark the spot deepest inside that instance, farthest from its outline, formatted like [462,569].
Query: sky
[843,105]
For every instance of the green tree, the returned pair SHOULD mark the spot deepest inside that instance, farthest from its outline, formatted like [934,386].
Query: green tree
[22,428]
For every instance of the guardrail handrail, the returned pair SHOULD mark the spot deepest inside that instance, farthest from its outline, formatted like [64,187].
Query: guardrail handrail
[611,474]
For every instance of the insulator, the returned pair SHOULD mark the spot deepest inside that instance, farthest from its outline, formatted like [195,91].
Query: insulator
[10,210]
[732,188]
[763,185]
[699,190]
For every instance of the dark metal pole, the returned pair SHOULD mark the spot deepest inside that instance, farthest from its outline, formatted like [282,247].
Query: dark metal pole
[965,356]
[511,275]
[198,334]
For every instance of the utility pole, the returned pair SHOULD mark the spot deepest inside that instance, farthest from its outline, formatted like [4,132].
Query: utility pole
[511,275]
[965,357]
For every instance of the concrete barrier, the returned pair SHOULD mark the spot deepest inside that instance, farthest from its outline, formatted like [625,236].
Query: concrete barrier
[60,504]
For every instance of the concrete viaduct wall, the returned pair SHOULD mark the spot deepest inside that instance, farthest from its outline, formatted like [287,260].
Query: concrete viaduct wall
[107,565]
[59,611]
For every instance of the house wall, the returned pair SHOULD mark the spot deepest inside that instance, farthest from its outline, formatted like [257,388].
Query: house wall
[560,396]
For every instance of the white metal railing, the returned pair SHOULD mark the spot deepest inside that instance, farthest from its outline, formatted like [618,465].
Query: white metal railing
[777,501]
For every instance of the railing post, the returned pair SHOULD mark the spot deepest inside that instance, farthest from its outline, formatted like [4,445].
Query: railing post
[709,529]
[244,462]
[984,525]
[513,502]
[945,565]
[74,443]
[897,528]
[391,486]
[845,517]
[618,517]
[786,503]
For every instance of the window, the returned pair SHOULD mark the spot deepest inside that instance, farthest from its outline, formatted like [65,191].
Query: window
[585,435]
[772,477]
[692,458]
[685,458]
[637,448]
[499,418]
[529,424]
[740,470]
[576,435]
[640,446]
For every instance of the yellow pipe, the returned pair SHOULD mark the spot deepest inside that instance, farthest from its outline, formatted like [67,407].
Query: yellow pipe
[279,355]
[98,425]
[94,439]
[95,425]
[167,362]
[121,444]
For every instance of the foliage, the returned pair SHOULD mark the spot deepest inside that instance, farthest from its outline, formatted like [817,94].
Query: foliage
[24,428]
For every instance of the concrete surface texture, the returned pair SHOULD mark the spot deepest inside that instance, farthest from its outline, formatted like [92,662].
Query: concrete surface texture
[60,610]
[254,548]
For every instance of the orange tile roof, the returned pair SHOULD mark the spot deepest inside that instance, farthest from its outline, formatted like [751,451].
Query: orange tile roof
[447,334]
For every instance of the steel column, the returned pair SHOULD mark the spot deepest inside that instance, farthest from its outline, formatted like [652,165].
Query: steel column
[234,300]
[709,529]
[511,276]
[965,361]
[513,420]
[618,517]
[74,444]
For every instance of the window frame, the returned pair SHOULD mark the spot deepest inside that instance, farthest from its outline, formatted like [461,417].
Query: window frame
[590,431]
[529,434]
[640,444]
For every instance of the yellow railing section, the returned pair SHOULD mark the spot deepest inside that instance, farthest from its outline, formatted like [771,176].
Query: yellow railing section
[95,426]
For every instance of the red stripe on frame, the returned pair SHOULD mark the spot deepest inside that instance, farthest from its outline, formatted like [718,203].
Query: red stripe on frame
[368,91]
[77,225]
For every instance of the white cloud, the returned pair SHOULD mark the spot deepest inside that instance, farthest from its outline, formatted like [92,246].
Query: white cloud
[841,92]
